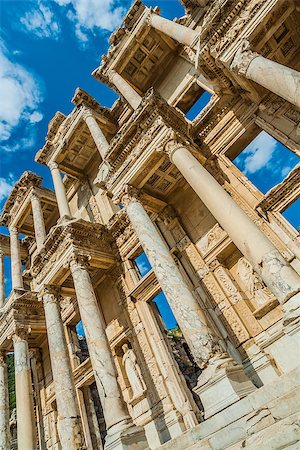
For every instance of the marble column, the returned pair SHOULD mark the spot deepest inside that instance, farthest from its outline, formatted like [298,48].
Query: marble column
[275,77]
[26,428]
[16,264]
[132,97]
[2,279]
[179,33]
[60,192]
[115,412]
[268,262]
[38,220]
[221,373]
[96,132]
[4,404]
[69,421]
[184,305]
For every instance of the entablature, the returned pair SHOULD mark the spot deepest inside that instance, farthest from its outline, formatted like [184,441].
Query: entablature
[138,52]
[5,247]
[135,154]
[77,237]
[23,310]
[71,144]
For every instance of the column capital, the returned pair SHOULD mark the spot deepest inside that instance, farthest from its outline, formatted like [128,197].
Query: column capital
[78,261]
[52,165]
[2,253]
[34,195]
[87,112]
[49,294]
[242,58]
[13,230]
[129,195]
[20,333]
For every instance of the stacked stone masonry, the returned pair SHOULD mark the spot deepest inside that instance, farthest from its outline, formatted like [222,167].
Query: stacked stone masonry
[141,177]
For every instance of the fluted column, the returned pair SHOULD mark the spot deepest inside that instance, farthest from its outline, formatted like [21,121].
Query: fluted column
[16,264]
[184,305]
[69,421]
[38,220]
[115,412]
[96,132]
[275,77]
[179,33]
[203,343]
[2,279]
[26,428]
[276,273]
[133,98]
[4,404]
[60,192]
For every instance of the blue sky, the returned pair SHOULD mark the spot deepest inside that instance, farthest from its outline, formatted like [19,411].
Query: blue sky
[47,50]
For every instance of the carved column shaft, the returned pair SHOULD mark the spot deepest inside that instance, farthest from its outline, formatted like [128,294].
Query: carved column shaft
[2,279]
[69,422]
[16,265]
[276,273]
[185,307]
[4,405]
[38,220]
[179,33]
[133,98]
[96,132]
[114,409]
[275,77]
[60,192]
[26,430]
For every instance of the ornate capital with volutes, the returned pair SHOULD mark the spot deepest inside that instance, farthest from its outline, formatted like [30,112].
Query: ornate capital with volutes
[52,165]
[242,58]
[20,333]
[49,294]
[78,261]
[128,195]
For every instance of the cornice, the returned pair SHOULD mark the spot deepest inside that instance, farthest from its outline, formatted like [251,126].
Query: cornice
[286,191]
[77,236]
[16,197]
[82,98]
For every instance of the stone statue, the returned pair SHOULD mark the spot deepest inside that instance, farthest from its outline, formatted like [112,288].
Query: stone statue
[253,283]
[133,372]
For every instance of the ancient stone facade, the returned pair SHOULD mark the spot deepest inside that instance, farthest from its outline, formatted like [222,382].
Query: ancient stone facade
[141,177]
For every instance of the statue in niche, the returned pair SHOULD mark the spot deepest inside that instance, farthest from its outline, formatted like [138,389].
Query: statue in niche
[133,372]
[253,283]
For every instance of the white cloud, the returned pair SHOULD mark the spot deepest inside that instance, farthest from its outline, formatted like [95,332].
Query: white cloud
[20,96]
[91,14]
[6,186]
[40,21]
[259,153]
[285,170]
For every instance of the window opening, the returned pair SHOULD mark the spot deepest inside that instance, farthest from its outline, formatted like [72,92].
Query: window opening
[292,214]
[142,264]
[199,105]
[266,162]
[177,343]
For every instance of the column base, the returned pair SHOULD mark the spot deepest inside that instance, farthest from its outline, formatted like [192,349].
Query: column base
[221,384]
[132,438]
